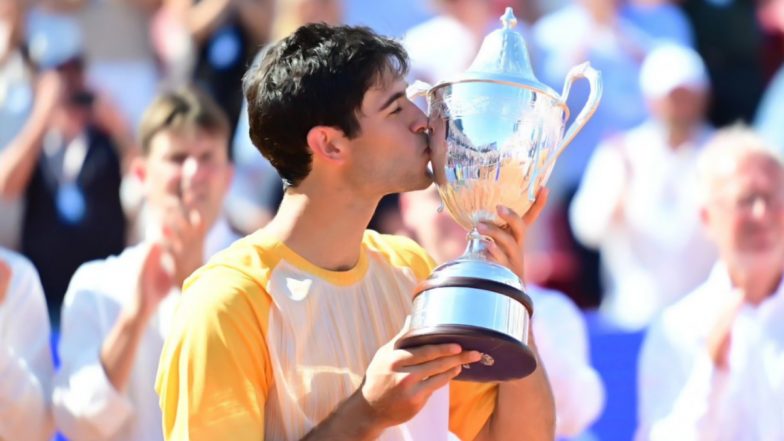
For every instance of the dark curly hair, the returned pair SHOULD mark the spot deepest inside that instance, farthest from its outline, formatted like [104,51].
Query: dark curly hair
[317,76]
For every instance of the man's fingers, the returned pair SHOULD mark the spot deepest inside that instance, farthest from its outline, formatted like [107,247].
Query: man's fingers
[423,354]
[503,239]
[444,364]
[498,255]
[536,209]
[5,279]
[432,384]
[154,255]
[196,221]
[514,223]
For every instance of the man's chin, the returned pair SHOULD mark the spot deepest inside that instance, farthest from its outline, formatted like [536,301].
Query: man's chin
[424,183]
[762,256]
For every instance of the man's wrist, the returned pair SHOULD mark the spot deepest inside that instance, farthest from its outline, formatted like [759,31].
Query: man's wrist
[353,419]
[135,317]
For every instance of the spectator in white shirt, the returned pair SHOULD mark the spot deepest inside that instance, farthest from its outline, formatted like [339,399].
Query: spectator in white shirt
[25,357]
[638,202]
[558,327]
[712,366]
[117,311]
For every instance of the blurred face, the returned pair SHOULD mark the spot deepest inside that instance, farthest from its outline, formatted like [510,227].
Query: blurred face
[390,154]
[683,107]
[437,232]
[189,169]
[745,215]
[10,24]
[317,11]
[601,9]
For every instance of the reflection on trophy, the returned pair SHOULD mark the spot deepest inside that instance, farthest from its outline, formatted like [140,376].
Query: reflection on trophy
[496,132]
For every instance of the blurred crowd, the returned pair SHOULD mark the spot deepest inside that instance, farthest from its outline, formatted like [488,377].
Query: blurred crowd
[124,120]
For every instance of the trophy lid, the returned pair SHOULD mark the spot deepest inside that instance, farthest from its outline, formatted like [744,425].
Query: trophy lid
[503,58]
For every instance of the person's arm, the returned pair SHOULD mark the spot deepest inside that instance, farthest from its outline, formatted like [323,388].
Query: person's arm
[25,357]
[397,385]
[86,404]
[19,158]
[524,408]
[657,392]
[597,205]
[698,412]
[563,346]
[109,119]
[166,265]
[215,373]
[205,16]
[63,6]
[118,350]
[256,17]
[707,402]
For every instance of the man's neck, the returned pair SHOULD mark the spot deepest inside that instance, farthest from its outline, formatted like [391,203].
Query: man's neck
[757,284]
[325,227]
[677,135]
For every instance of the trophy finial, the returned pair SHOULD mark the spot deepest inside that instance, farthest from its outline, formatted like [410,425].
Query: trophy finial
[508,19]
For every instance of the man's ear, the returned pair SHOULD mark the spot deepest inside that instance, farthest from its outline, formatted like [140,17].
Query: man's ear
[706,221]
[327,143]
[138,168]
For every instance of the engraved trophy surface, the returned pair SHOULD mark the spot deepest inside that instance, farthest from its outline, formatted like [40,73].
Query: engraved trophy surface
[495,133]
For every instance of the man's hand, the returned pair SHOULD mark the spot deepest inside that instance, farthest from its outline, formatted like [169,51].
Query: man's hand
[155,281]
[399,382]
[5,280]
[184,233]
[720,337]
[49,94]
[508,243]
[118,350]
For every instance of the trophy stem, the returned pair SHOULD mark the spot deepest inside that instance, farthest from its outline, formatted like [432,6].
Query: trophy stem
[477,246]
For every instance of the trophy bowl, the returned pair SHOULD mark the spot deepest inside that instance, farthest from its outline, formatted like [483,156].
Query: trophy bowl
[495,133]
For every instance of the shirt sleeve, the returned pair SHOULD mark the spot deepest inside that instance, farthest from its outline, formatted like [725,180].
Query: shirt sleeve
[562,341]
[85,403]
[674,384]
[470,407]
[657,391]
[696,412]
[741,401]
[25,359]
[214,374]
[592,210]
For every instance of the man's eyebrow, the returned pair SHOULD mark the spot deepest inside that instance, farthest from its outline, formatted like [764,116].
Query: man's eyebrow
[395,96]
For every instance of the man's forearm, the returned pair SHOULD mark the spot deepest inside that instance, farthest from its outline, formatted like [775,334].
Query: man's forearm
[18,159]
[525,409]
[352,420]
[255,16]
[119,349]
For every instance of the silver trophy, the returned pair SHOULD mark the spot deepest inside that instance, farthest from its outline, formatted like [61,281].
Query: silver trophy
[496,132]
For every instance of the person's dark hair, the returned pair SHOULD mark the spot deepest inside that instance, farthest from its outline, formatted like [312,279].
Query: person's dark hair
[317,76]
[185,108]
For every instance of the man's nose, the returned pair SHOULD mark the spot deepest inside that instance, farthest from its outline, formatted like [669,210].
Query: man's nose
[759,208]
[420,122]
[191,169]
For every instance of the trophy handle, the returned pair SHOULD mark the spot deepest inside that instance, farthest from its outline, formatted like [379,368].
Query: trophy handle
[594,78]
[417,89]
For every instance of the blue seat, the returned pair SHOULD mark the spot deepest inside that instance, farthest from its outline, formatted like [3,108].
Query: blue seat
[614,354]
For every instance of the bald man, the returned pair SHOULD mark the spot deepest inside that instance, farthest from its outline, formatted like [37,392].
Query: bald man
[712,366]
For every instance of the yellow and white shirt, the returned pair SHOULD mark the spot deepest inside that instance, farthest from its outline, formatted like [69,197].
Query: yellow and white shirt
[265,344]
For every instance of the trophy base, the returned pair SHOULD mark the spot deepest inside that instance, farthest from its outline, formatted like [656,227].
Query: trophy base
[503,357]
